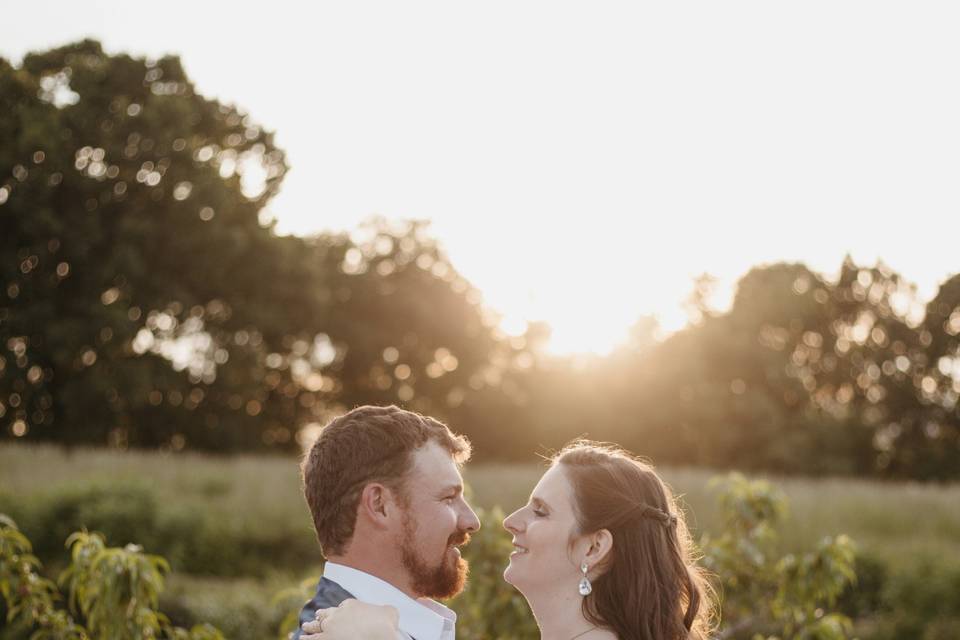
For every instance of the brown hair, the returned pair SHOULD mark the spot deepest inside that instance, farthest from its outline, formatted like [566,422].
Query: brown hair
[650,587]
[367,444]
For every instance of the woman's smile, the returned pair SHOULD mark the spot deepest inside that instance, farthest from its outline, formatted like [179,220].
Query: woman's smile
[518,550]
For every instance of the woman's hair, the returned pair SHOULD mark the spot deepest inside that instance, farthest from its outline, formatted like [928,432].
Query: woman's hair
[650,587]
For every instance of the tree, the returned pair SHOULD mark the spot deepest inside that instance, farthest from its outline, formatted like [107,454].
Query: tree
[145,300]
[129,233]
[802,374]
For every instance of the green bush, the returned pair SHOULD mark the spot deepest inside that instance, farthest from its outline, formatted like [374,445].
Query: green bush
[110,592]
[921,601]
[197,541]
[864,598]
[242,608]
[766,594]
[912,601]
[212,544]
[124,512]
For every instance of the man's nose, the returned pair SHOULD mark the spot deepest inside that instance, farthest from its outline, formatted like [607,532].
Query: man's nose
[470,521]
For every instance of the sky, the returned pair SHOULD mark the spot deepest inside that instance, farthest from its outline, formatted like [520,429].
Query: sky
[582,162]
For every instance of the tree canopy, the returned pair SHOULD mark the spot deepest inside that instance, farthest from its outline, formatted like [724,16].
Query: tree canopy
[147,301]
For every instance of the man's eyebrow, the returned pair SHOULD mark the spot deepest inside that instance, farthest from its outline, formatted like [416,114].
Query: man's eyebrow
[455,489]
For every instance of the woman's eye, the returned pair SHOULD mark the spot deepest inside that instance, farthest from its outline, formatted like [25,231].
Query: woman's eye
[539,514]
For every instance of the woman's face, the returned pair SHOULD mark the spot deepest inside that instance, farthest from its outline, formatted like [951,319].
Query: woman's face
[543,557]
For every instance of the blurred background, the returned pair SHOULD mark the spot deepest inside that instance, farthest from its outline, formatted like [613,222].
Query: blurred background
[721,235]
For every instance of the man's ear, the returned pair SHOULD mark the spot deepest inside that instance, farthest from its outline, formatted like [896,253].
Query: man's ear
[378,504]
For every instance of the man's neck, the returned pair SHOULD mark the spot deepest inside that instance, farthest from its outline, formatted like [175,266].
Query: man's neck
[390,572]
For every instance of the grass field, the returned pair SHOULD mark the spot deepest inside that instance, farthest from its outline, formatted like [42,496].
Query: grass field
[895,521]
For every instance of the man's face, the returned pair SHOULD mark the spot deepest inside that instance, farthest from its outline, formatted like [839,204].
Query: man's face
[437,520]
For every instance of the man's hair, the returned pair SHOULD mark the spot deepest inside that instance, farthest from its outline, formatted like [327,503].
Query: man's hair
[367,444]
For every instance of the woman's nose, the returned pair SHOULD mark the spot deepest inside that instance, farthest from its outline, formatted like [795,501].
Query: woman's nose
[511,521]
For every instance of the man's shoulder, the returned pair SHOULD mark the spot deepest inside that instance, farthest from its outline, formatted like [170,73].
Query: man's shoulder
[329,594]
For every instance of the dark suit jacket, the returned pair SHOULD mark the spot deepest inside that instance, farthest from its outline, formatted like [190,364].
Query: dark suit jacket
[329,594]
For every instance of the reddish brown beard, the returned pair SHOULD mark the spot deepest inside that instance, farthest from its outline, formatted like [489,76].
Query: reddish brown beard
[441,581]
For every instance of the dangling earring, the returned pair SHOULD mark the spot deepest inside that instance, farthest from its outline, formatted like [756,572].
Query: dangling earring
[584,587]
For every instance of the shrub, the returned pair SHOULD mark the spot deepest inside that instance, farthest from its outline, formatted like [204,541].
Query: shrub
[198,541]
[243,609]
[767,595]
[111,592]
[123,512]
[921,601]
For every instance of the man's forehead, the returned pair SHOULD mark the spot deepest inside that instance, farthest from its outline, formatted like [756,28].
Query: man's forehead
[434,465]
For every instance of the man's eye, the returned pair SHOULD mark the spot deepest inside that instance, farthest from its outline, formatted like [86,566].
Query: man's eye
[539,514]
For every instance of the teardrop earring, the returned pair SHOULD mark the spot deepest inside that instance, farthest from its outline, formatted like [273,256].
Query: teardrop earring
[584,587]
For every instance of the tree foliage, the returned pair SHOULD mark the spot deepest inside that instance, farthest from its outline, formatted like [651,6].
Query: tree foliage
[147,301]
[804,374]
[126,228]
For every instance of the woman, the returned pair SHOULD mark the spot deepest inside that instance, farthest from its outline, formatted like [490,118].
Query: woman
[601,553]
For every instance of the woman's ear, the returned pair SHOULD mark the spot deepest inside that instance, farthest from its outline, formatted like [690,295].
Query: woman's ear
[601,543]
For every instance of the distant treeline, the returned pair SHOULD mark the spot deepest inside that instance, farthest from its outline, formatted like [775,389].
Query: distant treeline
[146,301]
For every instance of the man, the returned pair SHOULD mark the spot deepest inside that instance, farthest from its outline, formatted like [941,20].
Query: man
[386,495]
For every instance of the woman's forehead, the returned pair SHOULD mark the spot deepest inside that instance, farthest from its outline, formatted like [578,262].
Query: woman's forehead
[553,487]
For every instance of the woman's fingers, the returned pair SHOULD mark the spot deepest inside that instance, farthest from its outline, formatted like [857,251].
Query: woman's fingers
[314,626]
[351,620]
[323,614]
[312,629]
[381,612]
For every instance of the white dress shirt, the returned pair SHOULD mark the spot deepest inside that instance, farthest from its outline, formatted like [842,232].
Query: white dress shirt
[420,619]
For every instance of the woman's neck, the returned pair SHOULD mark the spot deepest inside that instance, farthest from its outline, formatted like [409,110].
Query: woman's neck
[559,615]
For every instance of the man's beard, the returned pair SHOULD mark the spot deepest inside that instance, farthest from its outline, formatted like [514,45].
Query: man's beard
[443,580]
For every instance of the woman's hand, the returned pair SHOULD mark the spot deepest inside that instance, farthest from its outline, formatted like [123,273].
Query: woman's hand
[351,620]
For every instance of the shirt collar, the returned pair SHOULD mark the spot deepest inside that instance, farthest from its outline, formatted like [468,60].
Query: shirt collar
[424,619]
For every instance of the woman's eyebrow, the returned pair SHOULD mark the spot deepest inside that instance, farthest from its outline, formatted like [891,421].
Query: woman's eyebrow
[537,502]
